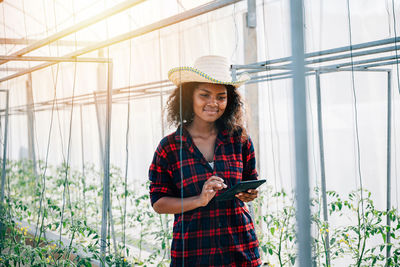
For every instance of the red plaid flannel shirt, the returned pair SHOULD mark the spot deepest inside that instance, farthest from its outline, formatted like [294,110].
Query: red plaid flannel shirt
[221,233]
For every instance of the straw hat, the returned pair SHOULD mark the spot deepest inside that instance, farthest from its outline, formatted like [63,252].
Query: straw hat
[207,69]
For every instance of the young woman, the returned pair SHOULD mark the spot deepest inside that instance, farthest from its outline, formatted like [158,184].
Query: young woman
[209,152]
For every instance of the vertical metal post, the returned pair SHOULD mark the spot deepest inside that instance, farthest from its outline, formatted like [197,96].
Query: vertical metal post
[101,81]
[388,162]
[3,171]
[251,16]
[83,165]
[31,121]
[322,165]
[300,129]
[97,107]
[106,181]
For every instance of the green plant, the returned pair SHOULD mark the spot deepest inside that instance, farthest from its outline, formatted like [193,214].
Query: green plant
[279,239]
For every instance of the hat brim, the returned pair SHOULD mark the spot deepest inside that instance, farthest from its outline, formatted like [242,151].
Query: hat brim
[188,74]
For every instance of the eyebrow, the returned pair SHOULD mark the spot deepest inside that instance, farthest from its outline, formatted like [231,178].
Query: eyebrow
[222,93]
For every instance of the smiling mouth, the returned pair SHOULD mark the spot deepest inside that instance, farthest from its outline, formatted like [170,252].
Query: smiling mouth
[211,111]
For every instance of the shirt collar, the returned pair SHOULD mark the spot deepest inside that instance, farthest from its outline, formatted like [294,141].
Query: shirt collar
[188,141]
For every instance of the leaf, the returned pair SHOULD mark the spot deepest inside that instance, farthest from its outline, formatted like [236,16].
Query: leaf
[292,259]
[272,230]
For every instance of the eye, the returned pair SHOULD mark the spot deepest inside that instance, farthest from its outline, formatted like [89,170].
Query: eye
[204,95]
[221,98]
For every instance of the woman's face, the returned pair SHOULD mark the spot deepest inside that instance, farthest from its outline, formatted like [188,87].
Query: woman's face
[209,101]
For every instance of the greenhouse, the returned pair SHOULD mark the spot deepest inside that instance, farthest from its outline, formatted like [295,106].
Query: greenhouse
[125,124]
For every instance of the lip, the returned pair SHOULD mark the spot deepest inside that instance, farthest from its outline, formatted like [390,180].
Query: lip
[211,111]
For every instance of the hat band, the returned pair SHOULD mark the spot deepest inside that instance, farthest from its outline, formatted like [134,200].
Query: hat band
[202,74]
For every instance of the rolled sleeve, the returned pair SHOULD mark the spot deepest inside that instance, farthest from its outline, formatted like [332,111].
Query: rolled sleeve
[160,177]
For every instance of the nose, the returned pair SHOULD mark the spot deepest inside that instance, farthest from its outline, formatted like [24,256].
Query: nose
[213,102]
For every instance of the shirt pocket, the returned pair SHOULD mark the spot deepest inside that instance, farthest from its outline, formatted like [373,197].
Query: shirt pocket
[234,171]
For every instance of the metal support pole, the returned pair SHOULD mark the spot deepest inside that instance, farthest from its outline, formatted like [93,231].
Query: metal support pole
[106,181]
[322,165]
[300,129]
[251,15]
[388,162]
[31,121]
[3,171]
[54,59]
[96,105]
[83,166]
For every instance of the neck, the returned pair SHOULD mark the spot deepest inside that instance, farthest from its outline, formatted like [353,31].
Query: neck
[202,128]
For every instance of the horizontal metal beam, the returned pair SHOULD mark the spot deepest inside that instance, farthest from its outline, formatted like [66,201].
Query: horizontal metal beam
[11,69]
[22,41]
[85,23]
[120,95]
[138,32]
[56,59]
[288,75]
[322,53]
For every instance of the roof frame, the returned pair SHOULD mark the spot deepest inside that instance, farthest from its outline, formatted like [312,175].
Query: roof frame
[194,12]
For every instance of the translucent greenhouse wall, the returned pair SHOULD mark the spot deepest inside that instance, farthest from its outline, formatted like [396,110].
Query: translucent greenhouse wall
[149,57]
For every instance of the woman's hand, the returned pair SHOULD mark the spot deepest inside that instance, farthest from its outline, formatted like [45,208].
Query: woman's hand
[210,188]
[248,196]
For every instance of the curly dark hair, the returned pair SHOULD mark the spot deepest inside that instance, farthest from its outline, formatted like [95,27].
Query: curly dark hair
[232,120]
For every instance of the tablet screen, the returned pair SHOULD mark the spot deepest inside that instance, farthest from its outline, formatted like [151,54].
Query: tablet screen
[240,187]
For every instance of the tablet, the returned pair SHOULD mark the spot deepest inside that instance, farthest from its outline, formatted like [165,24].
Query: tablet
[240,187]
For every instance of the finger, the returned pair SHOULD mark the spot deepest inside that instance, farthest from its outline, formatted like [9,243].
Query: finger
[215,178]
[252,191]
[246,194]
[242,198]
[245,197]
[217,184]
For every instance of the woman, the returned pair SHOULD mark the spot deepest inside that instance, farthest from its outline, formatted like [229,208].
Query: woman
[209,152]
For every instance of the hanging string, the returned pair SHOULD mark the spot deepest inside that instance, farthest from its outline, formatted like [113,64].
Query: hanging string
[208,33]
[273,128]
[165,228]
[5,53]
[394,102]
[67,167]
[83,165]
[269,88]
[57,109]
[1,133]
[127,143]
[42,194]
[109,204]
[181,142]
[7,86]
[319,194]
[395,45]
[161,88]
[26,31]
[356,116]
[236,32]
[288,108]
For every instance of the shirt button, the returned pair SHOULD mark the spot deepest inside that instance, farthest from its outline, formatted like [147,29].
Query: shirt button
[219,224]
